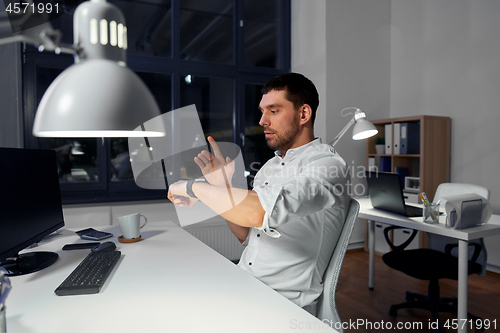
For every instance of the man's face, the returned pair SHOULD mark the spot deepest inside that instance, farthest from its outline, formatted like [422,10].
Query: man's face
[280,120]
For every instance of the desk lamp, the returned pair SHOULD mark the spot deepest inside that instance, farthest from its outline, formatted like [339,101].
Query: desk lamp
[362,129]
[98,96]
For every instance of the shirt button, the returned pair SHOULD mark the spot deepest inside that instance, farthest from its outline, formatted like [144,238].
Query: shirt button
[266,183]
[258,235]
[249,264]
[282,163]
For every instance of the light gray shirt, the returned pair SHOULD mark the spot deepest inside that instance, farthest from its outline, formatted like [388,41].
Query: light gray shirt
[305,199]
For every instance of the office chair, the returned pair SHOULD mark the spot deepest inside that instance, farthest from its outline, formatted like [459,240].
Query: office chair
[326,307]
[436,262]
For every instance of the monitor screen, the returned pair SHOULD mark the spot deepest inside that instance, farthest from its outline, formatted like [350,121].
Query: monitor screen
[30,207]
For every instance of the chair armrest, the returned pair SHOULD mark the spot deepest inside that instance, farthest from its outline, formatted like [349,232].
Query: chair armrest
[403,245]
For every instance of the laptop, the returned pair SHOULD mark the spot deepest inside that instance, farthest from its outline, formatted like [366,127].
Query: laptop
[386,194]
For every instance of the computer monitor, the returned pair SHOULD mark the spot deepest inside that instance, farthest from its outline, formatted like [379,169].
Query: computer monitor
[30,207]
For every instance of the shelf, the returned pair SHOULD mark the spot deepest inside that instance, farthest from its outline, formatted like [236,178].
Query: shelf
[431,164]
[400,155]
[407,155]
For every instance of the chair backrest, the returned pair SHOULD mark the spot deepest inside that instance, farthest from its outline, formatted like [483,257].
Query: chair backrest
[326,307]
[437,242]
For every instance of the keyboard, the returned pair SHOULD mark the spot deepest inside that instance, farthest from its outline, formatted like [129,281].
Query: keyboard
[412,211]
[90,275]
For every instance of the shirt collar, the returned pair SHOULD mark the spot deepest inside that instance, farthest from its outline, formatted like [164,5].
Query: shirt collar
[293,152]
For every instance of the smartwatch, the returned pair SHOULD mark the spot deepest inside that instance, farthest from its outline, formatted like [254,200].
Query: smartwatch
[189,188]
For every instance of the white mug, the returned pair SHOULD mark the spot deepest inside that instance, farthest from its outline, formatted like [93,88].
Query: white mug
[131,225]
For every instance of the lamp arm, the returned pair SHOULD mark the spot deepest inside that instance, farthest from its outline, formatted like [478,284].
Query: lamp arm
[342,132]
[42,36]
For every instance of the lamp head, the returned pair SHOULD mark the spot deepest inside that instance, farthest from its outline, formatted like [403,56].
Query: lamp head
[98,96]
[362,129]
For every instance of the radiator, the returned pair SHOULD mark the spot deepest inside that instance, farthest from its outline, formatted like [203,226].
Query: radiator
[219,238]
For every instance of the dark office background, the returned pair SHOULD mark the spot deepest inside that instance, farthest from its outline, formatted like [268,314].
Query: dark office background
[214,54]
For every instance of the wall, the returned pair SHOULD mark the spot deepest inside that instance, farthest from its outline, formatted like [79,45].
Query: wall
[309,56]
[358,47]
[11,128]
[11,118]
[344,48]
[445,61]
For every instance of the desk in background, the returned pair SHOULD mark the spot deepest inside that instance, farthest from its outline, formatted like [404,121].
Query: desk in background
[366,211]
[168,282]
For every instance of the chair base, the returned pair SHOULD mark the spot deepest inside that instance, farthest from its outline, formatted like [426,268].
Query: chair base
[433,303]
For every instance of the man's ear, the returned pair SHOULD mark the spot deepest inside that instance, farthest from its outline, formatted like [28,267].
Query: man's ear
[305,113]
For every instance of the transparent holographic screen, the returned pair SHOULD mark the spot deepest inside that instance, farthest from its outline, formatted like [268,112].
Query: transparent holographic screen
[183,141]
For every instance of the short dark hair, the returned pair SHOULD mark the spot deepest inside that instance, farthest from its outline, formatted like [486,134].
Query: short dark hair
[298,89]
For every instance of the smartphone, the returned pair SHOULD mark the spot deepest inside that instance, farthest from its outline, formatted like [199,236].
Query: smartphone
[80,246]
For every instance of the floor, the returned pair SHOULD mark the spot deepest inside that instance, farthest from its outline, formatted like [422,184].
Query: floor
[368,311]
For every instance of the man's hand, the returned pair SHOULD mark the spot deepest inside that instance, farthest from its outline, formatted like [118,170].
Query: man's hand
[217,170]
[177,194]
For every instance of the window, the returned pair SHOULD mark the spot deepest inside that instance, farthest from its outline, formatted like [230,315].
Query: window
[213,98]
[214,54]
[261,31]
[206,30]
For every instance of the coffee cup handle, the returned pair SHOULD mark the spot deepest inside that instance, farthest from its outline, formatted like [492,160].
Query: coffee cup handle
[145,220]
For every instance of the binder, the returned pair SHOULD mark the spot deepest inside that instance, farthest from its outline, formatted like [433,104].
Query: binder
[388,138]
[396,138]
[385,164]
[410,138]
[372,165]
[403,173]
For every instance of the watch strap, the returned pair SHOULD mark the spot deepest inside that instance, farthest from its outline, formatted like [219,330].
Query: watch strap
[189,188]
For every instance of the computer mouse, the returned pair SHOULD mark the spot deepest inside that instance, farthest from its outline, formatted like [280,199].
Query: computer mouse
[104,247]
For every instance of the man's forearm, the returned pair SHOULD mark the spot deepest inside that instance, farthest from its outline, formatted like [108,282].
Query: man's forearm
[241,207]
[240,232]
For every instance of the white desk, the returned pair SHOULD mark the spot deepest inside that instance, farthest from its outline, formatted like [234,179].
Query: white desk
[366,211]
[168,282]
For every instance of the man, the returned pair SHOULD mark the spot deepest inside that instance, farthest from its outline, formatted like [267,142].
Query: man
[292,218]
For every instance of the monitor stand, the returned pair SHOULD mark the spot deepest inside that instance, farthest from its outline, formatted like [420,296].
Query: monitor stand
[28,262]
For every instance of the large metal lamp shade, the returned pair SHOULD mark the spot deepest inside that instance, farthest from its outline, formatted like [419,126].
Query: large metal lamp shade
[95,98]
